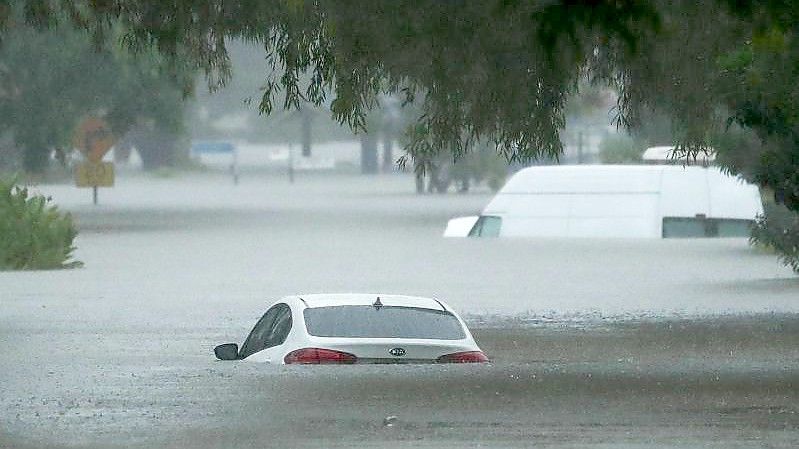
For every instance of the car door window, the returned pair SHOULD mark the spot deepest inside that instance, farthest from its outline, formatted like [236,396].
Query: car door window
[261,333]
[281,328]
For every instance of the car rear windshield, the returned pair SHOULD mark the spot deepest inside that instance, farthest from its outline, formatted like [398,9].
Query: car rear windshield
[382,322]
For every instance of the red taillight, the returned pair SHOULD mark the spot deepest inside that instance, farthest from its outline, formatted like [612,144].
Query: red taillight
[317,356]
[463,357]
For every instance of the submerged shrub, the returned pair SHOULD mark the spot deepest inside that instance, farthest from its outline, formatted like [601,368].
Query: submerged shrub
[778,229]
[34,235]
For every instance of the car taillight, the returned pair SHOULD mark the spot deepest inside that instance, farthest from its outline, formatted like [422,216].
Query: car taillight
[463,357]
[317,356]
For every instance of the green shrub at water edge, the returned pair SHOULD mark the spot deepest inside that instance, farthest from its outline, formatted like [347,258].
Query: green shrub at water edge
[34,235]
[778,229]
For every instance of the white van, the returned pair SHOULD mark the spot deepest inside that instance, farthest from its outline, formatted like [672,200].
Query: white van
[639,201]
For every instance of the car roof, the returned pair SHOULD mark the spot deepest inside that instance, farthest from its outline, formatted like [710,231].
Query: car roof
[357,299]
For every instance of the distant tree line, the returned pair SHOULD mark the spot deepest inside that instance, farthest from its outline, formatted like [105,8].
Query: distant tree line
[53,75]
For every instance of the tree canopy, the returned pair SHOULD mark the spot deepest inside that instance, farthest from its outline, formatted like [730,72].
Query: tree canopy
[495,70]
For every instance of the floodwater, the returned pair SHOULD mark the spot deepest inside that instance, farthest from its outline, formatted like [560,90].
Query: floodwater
[595,343]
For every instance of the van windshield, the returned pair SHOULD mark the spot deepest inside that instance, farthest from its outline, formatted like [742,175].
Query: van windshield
[486,226]
[382,322]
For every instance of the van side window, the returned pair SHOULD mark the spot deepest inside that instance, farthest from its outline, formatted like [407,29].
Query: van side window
[687,227]
[486,226]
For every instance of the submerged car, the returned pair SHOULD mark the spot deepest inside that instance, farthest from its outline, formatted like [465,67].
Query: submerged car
[357,328]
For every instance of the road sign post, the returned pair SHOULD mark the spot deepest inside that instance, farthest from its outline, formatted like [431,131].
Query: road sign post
[94,138]
[94,175]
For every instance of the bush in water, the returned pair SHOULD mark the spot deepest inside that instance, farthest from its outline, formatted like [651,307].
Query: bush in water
[778,229]
[34,235]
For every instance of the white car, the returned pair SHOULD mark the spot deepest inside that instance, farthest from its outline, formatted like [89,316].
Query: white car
[357,328]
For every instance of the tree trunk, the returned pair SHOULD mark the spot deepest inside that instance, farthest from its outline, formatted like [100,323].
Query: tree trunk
[388,150]
[156,149]
[368,154]
[35,156]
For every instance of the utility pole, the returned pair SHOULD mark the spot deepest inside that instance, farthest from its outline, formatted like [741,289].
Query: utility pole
[388,150]
[305,114]
[368,154]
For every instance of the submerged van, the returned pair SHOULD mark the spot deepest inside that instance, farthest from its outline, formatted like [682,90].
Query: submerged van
[639,201]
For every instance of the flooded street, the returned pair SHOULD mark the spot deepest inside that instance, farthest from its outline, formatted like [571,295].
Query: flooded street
[595,343]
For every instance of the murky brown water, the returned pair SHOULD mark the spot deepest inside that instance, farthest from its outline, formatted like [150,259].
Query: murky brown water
[595,343]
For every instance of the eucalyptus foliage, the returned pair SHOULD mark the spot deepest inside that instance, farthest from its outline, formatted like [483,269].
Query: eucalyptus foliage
[496,70]
[712,77]
[34,234]
[493,70]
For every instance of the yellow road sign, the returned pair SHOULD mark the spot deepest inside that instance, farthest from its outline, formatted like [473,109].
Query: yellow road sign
[94,174]
[93,138]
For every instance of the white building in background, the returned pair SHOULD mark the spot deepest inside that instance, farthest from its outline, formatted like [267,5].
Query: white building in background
[611,201]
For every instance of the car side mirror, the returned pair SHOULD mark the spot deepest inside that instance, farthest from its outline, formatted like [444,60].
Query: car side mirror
[227,351]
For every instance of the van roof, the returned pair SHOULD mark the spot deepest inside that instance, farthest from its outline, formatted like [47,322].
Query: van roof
[626,190]
[604,178]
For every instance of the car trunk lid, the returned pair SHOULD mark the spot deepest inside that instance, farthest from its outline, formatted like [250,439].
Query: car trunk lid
[396,350]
